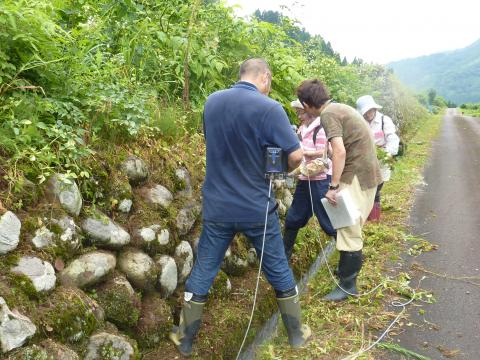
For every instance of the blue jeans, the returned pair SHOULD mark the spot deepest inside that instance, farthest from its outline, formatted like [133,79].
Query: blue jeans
[214,242]
[301,210]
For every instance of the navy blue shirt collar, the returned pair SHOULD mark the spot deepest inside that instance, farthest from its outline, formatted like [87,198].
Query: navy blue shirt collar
[245,85]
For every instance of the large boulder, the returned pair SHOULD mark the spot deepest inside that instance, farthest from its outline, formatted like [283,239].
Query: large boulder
[15,328]
[168,276]
[155,321]
[40,272]
[9,232]
[140,268]
[66,191]
[108,346]
[120,301]
[89,269]
[184,259]
[136,170]
[104,232]
[187,216]
[158,195]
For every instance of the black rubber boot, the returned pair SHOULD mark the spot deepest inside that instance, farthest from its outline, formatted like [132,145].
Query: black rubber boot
[187,329]
[349,266]
[289,306]
[289,241]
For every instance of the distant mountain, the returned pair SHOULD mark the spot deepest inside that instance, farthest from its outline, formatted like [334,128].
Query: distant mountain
[455,75]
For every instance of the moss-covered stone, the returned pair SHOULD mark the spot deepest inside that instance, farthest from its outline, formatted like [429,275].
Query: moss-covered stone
[120,302]
[33,352]
[221,286]
[155,321]
[23,283]
[70,315]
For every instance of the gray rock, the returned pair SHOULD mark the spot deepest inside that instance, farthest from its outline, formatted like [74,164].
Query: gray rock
[163,237]
[252,257]
[187,216]
[147,234]
[158,195]
[168,277]
[43,238]
[40,272]
[125,206]
[88,269]
[104,232]
[67,193]
[15,328]
[71,233]
[184,259]
[9,232]
[183,176]
[154,240]
[139,268]
[105,345]
[136,169]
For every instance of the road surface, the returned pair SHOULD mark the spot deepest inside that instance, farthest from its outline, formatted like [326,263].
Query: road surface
[447,213]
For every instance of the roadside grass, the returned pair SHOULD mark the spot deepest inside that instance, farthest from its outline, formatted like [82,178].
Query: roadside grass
[342,330]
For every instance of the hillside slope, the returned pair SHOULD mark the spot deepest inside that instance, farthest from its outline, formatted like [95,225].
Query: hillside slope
[454,74]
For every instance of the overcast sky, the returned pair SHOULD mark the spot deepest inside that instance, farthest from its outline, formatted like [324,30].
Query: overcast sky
[381,31]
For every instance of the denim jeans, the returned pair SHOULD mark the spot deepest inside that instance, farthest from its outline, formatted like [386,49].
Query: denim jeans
[214,242]
[301,210]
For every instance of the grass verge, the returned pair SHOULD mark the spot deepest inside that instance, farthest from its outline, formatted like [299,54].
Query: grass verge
[343,330]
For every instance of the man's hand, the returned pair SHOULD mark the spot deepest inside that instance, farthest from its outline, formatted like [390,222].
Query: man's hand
[331,196]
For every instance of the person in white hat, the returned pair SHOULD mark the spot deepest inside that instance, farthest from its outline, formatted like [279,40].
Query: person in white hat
[384,133]
[314,144]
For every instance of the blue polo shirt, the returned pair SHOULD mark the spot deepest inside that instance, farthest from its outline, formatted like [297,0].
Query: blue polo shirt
[239,123]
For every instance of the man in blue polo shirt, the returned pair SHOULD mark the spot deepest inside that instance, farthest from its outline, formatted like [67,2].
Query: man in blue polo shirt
[239,123]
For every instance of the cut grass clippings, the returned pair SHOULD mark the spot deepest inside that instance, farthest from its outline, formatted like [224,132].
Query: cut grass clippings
[342,330]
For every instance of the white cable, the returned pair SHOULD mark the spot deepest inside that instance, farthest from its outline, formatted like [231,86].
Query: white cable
[325,257]
[395,304]
[259,271]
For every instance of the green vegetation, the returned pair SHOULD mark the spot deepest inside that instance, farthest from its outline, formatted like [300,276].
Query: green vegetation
[77,78]
[470,109]
[454,74]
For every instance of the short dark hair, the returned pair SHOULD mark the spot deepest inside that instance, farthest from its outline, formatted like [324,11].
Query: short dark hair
[313,93]
[254,67]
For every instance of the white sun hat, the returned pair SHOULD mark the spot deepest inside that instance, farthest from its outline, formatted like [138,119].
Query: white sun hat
[296,104]
[365,103]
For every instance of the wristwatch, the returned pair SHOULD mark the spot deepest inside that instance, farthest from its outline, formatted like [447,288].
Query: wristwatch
[333,187]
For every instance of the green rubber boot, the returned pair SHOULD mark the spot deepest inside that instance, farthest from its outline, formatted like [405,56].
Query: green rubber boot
[186,331]
[289,307]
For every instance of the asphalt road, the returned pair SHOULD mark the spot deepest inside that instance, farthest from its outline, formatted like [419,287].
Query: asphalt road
[447,213]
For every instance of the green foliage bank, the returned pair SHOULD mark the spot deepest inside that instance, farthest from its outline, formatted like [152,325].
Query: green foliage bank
[76,76]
